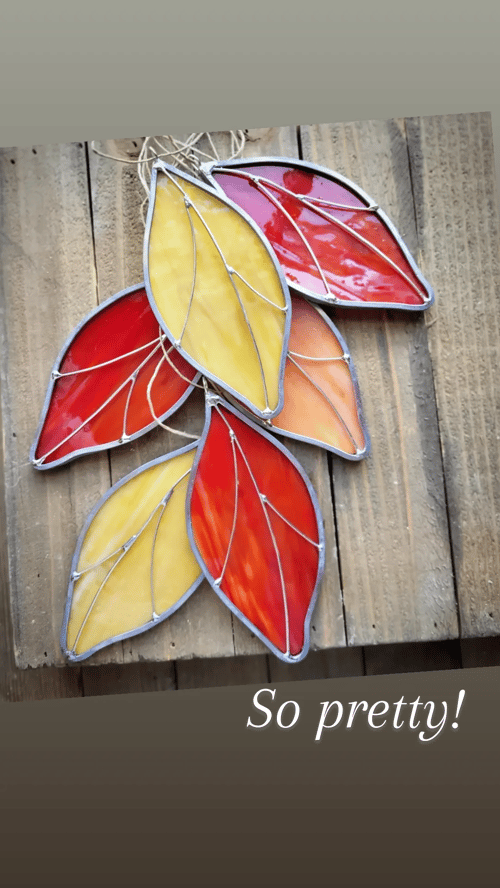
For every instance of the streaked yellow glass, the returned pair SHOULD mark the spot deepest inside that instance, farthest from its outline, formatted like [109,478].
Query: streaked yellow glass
[190,250]
[120,588]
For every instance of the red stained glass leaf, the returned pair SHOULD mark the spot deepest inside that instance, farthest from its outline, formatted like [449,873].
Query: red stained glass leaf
[117,375]
[256,529]
[322,400]
[334,244]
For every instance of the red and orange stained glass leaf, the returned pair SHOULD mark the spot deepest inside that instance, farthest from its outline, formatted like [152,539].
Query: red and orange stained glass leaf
[322,398]
[133,565]
[217,289]
[114,380]
[256,529]
[334,243]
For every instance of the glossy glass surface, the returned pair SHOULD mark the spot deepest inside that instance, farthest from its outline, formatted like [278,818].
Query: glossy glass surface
[207,267]
[267,567]
[135,559]
[320,396]
[110,363]
[296,209]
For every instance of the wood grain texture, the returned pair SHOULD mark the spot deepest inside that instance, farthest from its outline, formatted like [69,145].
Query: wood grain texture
[71,236]
[391,509]
[48,285]
[458,229]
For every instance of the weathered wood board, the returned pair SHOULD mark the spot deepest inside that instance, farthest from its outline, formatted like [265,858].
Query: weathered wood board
[412,532]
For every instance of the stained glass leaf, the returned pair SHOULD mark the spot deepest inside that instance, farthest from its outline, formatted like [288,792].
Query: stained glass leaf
[256,529]
[217,289]
[322,399]
[113,380]
[133,565]
[334,243]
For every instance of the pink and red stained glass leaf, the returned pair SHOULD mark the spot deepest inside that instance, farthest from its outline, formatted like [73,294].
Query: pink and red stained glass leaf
[334,243]
[322,398]
[256,528]
[113,380]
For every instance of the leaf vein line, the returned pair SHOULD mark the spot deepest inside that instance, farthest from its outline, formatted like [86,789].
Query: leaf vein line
[221,255]
[99,409]
[126,548]
[327,399]
[269,527]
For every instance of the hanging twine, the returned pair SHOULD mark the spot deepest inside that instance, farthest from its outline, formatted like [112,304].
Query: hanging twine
[188,156]
[183,154]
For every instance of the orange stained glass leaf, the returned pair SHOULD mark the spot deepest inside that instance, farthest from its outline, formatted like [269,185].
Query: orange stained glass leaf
[256,529]
[322,400]
[334,243]
[133,565]
[217,289]
[114,379]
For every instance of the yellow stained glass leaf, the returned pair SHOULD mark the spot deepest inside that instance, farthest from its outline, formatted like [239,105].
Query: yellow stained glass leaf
[217,289]
[133,566]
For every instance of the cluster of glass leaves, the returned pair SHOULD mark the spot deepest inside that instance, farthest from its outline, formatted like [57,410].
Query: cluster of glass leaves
[230,268]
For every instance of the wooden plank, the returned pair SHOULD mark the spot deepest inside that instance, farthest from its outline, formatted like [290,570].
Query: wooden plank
[458,229]
[391,510]
[46,683]
[48,284]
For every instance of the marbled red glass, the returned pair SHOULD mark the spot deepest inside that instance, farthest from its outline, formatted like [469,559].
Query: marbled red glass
[269,569]
[87,409]
[296,209]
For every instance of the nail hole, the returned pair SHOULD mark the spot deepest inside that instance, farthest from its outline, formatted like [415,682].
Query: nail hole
[12,160]
[172,644]
[34,150]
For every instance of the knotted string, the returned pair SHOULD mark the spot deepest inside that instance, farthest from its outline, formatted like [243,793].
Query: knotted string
[183,154]
[188,156]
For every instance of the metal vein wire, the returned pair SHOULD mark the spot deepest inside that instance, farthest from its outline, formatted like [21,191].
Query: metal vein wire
[327,399]
[123,549]
[260,180]
[231,273]
[271,532]
[128,381]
